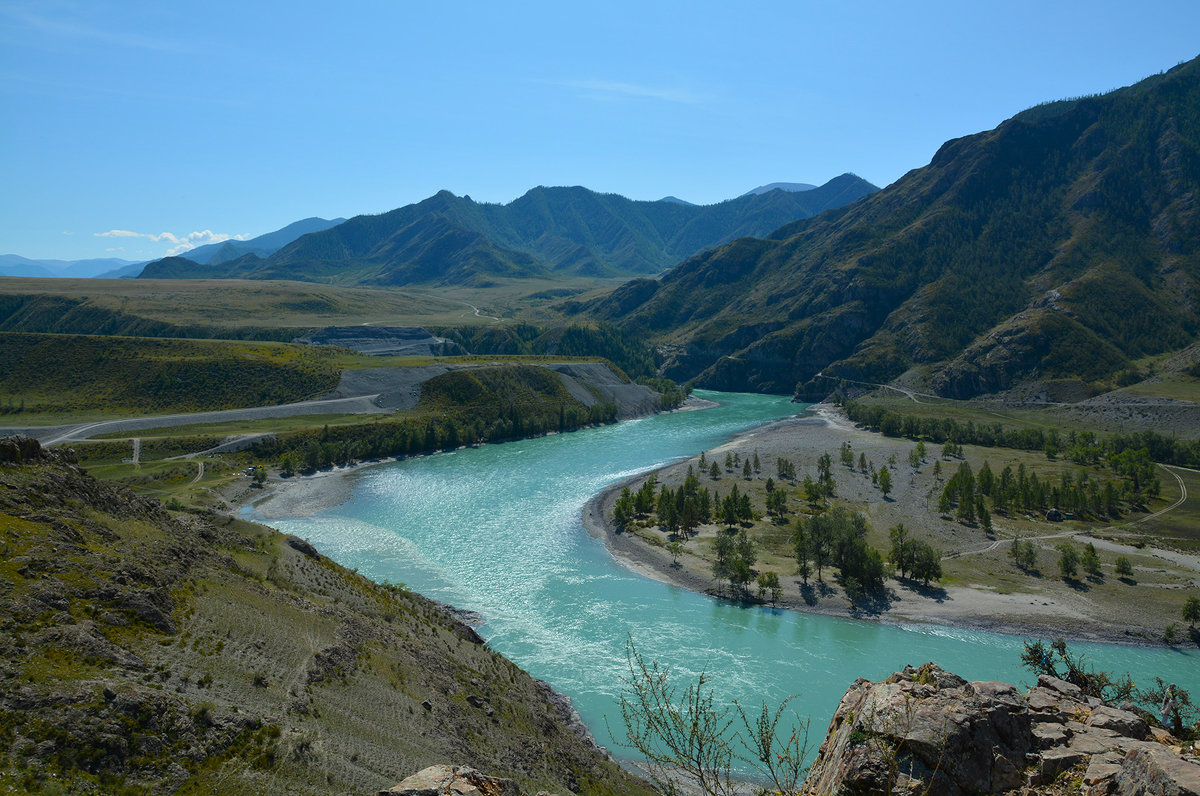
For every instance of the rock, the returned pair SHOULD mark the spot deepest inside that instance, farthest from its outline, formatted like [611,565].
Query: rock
[152,606]
[1048,734]
[20,449]
[1061,686]
[1056,761]
[1154,770]
[927,731]
[961,738]
[1119,721]
[442,780]
[301,546]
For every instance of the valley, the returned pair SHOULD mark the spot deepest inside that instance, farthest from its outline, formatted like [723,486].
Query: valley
[775,442]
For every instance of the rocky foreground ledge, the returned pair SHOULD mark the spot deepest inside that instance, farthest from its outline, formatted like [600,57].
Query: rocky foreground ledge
[927,731]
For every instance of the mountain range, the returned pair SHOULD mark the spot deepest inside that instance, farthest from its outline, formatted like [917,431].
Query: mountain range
[16,265]
[1063,244]
[548,232]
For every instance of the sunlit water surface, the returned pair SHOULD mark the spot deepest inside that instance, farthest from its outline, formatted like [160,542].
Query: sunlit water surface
[497,530]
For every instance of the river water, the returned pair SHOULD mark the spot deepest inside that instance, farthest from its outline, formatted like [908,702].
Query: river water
[497,530]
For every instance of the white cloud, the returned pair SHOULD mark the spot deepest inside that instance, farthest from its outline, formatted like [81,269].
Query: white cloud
[181,243]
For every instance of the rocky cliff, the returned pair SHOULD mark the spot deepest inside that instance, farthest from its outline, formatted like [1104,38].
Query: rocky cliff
[925,730]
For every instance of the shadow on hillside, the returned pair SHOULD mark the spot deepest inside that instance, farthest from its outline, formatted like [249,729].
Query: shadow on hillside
[810,592]
[872,603]
[1076,584]
[926,590]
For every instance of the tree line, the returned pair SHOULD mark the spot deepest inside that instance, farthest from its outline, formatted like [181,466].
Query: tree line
[1082,447]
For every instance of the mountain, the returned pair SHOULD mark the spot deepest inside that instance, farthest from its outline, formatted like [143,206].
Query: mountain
[15,265]
[1063,244]
[124,272]
[453,240]
[262,246]
[796,187]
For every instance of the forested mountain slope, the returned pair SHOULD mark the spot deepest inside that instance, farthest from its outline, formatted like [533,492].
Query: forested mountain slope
[453,240]
[1062,244]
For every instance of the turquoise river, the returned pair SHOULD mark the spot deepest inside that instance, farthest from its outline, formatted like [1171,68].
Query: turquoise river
[497,530]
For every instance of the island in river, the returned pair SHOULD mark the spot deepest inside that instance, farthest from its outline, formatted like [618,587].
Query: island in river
[982,587]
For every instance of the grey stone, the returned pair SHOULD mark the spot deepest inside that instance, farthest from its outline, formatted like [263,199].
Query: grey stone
[1119,721]
[1155,770]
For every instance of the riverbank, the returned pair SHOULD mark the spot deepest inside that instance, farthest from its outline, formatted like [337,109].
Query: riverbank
[304,495]
[1004,602]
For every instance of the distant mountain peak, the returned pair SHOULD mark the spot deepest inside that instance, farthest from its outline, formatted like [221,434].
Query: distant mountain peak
[791,187]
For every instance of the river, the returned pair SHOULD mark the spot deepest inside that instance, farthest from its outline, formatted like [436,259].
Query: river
[497,530]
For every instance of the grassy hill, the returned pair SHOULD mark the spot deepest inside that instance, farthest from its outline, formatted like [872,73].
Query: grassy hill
[151,652]
[232,309]
[1062,245]
[547,233]
[70,373]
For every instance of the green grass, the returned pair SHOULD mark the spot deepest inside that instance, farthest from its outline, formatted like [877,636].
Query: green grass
[1180,527]
[232,427]
[1178,387]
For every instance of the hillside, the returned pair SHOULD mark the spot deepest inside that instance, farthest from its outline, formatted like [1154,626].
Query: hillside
[1064,244]
[152,652]
[548,232]
[263,245]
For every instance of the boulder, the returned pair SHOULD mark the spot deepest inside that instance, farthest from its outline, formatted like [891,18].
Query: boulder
[924,730]
[923,726]
[443,780]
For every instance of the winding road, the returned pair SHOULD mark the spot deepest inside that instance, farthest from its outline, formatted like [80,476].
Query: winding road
[55,435]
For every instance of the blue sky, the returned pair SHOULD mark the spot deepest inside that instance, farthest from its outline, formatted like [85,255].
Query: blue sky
[132,129]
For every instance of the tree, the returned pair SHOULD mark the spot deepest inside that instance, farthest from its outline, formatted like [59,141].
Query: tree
[1068,560]
[1191,610]
[927,563]
[260,475]
[885,481]
[728,461]
[675,548]
[847,455]
[862,462]
[901,553]
[777,503]
[1090,561]
[825,473]
[1123,567]
[623,509]
[1042,658]
[800,537]
[757,463]
[685,737]
[714,472]
[985,518]
[768,583]
[747,473]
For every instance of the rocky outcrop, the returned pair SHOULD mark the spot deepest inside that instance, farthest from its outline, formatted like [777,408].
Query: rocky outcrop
[925,730]
[444,780]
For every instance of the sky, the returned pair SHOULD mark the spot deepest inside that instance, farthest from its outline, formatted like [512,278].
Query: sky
[136,129]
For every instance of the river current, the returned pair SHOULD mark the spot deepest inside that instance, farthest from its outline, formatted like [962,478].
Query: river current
[497,530]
